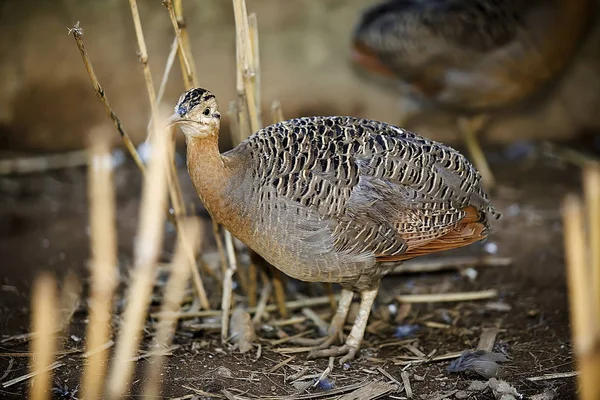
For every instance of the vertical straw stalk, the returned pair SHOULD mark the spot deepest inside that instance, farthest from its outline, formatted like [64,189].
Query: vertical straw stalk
[591,178]
[249,115]
[101,198]
[173,296]
[172,177]
[146,253]
[185,57]
[226,301]
[44,326]
[581,254]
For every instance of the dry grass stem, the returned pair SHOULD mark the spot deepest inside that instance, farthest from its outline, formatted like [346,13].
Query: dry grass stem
[165,78]
[253,30]
[279,289]
[245,63]
[558,375]
[447,297]
[252,284]
[262,303]
[146,252]
[101,198]
[591,180]
[291,305]
[450,263]
[581,298]
[184,58]
[30,375]
[173,296]
[77,33]
[185,38]
[172,177]
[143,56]
[42,163]
[227,297]
[488,339]
[44,324]
[407,385]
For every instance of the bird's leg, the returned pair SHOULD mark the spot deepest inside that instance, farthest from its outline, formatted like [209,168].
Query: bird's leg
[357,333]
[335,332]
[469,128]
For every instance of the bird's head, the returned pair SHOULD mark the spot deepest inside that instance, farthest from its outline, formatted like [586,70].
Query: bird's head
[197,114]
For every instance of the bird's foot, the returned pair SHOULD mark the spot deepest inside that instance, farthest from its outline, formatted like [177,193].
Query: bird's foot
[334,335]
[349,352]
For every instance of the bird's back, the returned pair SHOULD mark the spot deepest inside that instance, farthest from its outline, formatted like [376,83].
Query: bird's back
[327,197]
[472,55]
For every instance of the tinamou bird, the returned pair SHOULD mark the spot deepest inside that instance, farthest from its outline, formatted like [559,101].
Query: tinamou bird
[334,199]
[471,57]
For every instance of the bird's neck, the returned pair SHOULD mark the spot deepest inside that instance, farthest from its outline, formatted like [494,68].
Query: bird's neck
[211,175]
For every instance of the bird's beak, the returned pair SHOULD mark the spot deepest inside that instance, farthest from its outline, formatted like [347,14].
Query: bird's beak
[173,120]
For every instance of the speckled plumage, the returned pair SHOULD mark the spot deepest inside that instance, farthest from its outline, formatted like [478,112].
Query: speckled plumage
[334,194]
[333,199]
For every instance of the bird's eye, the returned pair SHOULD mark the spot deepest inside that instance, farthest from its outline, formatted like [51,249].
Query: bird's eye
[206,111]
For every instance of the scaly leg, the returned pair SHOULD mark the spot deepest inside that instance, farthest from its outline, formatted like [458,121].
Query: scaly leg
[335,333]
[469,128]
[356,334]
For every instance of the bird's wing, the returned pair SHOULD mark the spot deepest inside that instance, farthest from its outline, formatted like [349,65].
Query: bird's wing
[378,189]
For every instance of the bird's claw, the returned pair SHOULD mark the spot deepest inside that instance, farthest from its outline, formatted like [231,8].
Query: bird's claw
[348,352]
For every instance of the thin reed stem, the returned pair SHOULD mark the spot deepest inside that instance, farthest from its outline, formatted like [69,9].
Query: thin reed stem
[173,296]
[44,325]
[77,33]
[146,253]
[583,324]
[101,198]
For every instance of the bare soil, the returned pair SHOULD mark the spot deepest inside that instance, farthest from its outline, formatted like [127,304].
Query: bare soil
[43,226]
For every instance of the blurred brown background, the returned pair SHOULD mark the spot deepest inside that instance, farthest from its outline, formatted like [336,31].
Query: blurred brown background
[47,102]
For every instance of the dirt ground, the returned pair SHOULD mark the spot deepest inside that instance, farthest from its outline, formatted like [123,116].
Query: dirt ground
[43,226]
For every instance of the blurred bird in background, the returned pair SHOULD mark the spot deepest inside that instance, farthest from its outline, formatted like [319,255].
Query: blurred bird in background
[471,57]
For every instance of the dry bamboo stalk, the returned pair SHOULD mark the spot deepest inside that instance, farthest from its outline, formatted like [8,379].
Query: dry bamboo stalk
[279,290]
[252,284]
[449,263]
[101,198]
[143,56]
[291,305]
[186,67]
[77,33]
[583,323]
[245,61]
[262,303]
[43,345]
[185,39]
[227,298]
[253,31]
[447,297]
[146,252]
[165,78]
[174,292]
[591,179]
[220,247]
[172,177]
